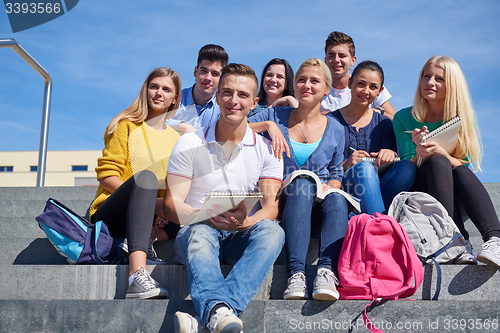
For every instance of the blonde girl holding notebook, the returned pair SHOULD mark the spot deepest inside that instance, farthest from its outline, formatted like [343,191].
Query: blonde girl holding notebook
[442,94]
[131,175]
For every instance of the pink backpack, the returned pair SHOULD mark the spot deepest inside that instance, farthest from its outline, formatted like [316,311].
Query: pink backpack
[377,261]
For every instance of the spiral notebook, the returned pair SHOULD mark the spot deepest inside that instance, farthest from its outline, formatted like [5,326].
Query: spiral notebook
[228,200]
[382,168]
[445,135]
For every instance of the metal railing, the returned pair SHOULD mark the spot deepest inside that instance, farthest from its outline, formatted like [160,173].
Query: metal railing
[44,132]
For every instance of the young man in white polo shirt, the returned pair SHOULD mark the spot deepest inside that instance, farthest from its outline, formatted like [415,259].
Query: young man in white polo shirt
[228,156]
[340,56]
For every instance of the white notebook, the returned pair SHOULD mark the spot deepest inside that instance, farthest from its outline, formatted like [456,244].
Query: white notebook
[351,200]
[445,135]
[228,200]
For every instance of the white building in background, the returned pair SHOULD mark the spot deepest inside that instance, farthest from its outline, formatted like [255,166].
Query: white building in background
[63,168]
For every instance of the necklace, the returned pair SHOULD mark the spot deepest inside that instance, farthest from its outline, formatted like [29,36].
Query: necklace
[304,134]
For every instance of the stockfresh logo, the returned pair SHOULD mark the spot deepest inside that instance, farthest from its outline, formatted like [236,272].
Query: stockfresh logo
[26,14]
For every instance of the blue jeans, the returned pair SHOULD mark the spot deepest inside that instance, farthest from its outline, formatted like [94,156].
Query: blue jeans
[203,248]
[298,206]
[376,195]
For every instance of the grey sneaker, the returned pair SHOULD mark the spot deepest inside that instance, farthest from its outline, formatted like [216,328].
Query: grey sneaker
[467,258]
[151,257]
[144,287]
[490,254]
[224,321]
[297,287]
[185,323]
[324,285]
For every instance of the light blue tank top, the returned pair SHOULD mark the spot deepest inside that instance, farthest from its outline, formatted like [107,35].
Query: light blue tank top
[302,151]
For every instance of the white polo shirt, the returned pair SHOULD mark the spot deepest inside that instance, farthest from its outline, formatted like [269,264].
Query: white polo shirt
[199,157]
[338,98]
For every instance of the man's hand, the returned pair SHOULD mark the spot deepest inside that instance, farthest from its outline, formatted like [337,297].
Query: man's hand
[225,220]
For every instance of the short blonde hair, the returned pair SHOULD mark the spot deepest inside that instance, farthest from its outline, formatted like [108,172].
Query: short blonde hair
[312,62]
[457,103]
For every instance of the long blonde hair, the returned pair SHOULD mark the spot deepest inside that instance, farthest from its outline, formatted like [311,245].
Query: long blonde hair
[138,110]
[457,103]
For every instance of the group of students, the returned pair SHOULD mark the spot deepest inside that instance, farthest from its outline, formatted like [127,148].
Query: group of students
[165,152]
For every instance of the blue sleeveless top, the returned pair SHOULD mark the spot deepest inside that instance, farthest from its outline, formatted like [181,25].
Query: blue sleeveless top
[302,151]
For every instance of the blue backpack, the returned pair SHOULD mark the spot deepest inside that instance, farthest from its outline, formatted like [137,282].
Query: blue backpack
[77,240]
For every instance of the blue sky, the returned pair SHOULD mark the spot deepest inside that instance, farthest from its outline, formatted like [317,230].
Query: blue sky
[100,52]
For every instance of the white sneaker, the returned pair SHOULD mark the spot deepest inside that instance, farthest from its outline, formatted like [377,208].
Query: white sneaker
[144,287]
[490,254]
[297,287]
[467,258]
[224,321]
[324,285]
[185,323]
[151,257]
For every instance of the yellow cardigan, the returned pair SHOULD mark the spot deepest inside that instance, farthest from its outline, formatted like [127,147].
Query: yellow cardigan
[134,147]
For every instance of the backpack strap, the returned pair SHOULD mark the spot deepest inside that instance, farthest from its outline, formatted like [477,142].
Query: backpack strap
[368,324]
[395,207]
[93,238]
[438,268]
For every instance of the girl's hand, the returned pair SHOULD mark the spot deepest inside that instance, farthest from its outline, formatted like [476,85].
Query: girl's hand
[430,148]
[284,101]
[278,140]
[160,224]
[354,158]
[384,156]
[418,134]
[326,187]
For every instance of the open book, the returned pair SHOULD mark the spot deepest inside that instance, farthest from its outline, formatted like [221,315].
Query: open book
[381,169]
[445,135]
[227,200]
[353,201]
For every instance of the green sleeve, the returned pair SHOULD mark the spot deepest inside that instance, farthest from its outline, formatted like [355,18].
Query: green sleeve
[403,121]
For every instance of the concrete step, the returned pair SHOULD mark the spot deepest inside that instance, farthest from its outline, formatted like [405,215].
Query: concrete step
[40,292]
[43,193]
[94,282]
[90,282]
[270,316]
[39,251]
[33,208]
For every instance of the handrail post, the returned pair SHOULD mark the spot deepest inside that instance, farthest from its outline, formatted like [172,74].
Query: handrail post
[44,131]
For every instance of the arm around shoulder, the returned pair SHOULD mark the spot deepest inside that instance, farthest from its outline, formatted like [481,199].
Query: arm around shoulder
[389,110]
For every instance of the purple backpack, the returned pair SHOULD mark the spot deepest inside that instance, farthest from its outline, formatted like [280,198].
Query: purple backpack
[75,238]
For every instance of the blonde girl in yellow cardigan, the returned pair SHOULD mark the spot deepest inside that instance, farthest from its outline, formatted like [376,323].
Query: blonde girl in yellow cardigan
[131,174]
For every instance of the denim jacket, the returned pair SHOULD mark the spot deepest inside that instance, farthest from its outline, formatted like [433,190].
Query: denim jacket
[325,161]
